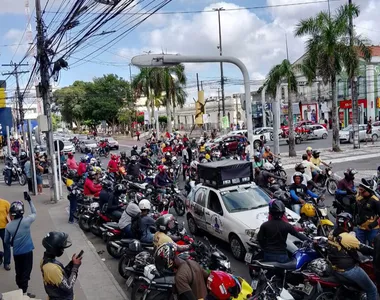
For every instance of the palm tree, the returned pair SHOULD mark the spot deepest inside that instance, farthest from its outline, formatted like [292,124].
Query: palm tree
[172,79]
[285,73]
[329,50]
[148,83]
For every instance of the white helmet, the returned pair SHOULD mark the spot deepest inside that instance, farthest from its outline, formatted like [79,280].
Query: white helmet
[194,164]
[144,204]
[93,161]
[174,159]
[268,166]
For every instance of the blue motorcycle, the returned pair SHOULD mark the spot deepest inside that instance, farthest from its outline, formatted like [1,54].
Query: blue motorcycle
[277,274]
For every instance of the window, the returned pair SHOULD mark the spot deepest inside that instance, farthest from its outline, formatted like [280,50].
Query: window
[200,197]
[340,89]
[244,199]
[214,203]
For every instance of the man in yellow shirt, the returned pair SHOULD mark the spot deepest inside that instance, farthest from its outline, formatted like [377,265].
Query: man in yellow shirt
[317,161]
[4,219]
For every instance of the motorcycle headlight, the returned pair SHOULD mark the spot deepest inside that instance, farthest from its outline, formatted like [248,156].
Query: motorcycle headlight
[171,170]
[225,263]
[280,164]
[329,172]
[165,202]
[323,211]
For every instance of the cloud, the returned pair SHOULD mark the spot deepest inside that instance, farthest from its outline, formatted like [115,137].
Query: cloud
[18,39]
[18,6]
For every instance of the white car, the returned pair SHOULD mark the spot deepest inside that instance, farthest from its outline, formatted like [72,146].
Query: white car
[231,213]
[68,147]
[256,136]
[345,135]
[266,131]
[318,131]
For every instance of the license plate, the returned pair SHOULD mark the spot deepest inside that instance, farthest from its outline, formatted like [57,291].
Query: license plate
[248,257]
[307,288]
[129,281]
[254,284]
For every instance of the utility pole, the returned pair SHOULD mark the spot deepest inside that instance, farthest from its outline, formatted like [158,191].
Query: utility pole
[354,94]
[20,98]
[219,125]
[44,88]
[198,82]
[221,53]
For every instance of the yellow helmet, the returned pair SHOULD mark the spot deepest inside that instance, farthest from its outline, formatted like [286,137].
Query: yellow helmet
[308,210]
[309,149]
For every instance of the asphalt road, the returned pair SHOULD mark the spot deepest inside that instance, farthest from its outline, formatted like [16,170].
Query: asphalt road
[238,267]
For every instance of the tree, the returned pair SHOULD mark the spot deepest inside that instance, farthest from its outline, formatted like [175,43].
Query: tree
[105,96]
[328,51]
[148,83]
[70,100]
[285,72]
[173,79]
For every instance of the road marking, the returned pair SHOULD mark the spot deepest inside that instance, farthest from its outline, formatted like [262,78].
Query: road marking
[342,159]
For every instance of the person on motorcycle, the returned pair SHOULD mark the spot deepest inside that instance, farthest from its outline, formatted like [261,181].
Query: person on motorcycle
[90,188]
[265,176]
[167,161]
[133,168]
[342,252]
[167,148]
[162,179]
[309,153]
[58,280]
[268,155]
[178,149]
[82,168]
[134,151]
[309,166]
[23,159]
[131,212]
[317,161]
[193,143]
[298,191]
[123,158]
[165,224]
[71,162]
[194,170]
[144,162]
[202,147]
[112,206]
[300,167]
[273,234]
[367,212]
[113,164]
[103,146]
[145,222]
[346,190]
[190,277]
[258,163]
[187,156]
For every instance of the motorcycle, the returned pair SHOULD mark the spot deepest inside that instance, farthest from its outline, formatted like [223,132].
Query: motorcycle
[278,168]
[327,179]
[103,152]
[177,200]
[319,216]
[13,172]
[87,215]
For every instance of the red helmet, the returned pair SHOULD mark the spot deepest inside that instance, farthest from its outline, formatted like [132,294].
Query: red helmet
[161,168]
[70,155]
[223,285]
[113,156]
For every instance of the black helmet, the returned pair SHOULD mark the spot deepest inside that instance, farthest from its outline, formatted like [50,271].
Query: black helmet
[91,174]
[120,189]
[133,159]
[368,185]
[123,154]
[164,257]
[276,208]
[299,167]
[350,174]
[23,155]
[144,154]
[316,153]
[165,223]
[17,209]
[107,185]
[344,221]
[168,155]
[143,259]
[56,242]
[134,147]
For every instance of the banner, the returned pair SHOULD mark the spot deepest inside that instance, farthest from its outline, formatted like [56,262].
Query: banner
[225,123]
[3,101]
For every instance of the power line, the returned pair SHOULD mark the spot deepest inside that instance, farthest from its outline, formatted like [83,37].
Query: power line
[231,9]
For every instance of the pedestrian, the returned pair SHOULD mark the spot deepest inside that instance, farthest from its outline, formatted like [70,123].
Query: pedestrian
[39,172]
[28,173]
[4,220]
[17,235]
[369,132]
[138,135]
[59,280]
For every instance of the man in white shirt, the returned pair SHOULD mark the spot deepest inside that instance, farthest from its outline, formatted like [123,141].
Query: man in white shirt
[309,166]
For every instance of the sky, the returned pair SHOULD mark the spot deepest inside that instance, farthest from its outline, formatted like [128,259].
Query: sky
[254,31]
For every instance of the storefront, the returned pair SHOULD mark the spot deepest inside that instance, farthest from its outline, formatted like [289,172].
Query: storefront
[345,112]
[309,112]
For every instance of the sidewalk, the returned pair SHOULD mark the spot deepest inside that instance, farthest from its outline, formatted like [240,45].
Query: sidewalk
[347,154]
[95,281]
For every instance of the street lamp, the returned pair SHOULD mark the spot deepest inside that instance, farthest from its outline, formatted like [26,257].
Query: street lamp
[165,60]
